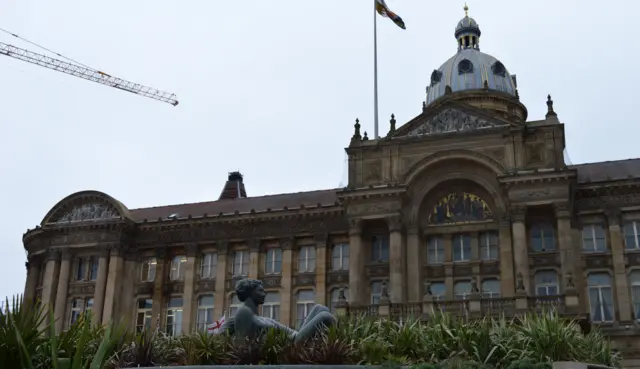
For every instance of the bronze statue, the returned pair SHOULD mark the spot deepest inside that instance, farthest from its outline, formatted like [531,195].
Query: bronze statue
[247,322]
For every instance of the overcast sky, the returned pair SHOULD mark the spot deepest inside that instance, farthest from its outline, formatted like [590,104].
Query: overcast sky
[272,88]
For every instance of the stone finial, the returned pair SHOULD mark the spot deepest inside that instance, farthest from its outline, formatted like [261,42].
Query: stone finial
[392,124]
[427,291]
[356,131]
[486,84]
[474,285]
[550,111]
[447,90]
[342,299]
[424,106]
[517,94]
[384,294]
[365,137]
[520,284]
[570,283]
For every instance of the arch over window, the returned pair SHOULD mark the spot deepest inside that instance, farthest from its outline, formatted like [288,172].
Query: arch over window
[490,288]
[436,76]
[460,207]
[461,290]
[499,69]
[546,282]
[465,66]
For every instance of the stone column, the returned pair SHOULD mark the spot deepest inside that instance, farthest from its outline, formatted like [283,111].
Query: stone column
[507,273]
[357,283]
[448,266]
[162,274]
[321,268]
[115,279]
[619,266]
[521,246]
[188,296]
[33,273]
[50,282]
[415,259]
[254,258]
[221,279]
[287,245]
[101,286]
[565,241]
[397,260]
[63,287]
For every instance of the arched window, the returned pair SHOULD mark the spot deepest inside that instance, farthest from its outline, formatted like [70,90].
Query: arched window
[177,268]
[461,290]
[543,237]
[235,305]
[490,288]
[205,312]
[335,295]
[499,69]
[600,297]
[546,283]
[634,281]
[340,257]
[305,301]
[438,290]
[271,306]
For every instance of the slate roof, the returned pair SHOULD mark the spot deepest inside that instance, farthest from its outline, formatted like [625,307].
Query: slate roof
[608,170]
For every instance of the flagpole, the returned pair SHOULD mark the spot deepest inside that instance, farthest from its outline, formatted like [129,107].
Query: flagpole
[375,70]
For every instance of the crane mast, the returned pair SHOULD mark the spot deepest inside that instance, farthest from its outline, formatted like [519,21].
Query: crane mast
[86,73]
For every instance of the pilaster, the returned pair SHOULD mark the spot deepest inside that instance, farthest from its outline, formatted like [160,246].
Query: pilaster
[321,241]
[158,287]
[188,296]
[415,258]
[448,266]
[397,260]
[507,273]
[221,278]
[63,288]
[619,266]
[114,284]
[50,281]
[254,258]
[33,272]
[101,286]
[565,241]
[520,245]
[287,245]
[357,287]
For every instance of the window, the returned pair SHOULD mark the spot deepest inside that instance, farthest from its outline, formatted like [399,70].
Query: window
[465,66]
[335,296]
[240,263]
[600,297]
[80,269]
[77,305]
[205,313]
[208,266]
[149,270]
[631,236]
[93,268]
[340,257]
[380,248]
[542,237]
[271,306]
[435,250]
[305,301]
[634,281]
[489,246]
[177,268]
[593,238]
[88,307]
[273,261]
[490,289]
[307,259]
[376,292]
[174,316]
[235,305]
[143,315]
[438,290]
[461,248]
[461,290]
[546,283]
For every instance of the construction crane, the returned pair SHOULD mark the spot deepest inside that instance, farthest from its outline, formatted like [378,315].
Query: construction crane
[85,72]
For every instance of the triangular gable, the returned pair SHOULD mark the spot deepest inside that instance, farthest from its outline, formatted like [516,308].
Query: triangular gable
[453,117]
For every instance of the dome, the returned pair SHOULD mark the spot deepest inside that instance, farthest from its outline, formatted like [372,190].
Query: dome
[470,69]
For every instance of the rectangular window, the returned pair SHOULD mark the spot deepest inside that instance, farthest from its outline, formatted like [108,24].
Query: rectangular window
[435,250]
[174,316]
[305,301]
[543,237]
[380,248]
[240,263]
[593,238]
[77,306]
[340,257]
[461,248]
[273,261]
[177,268]
[271,306]
[80,269]
[307,259]
[93,272]
[489,246]
[205,313]
[631,239]
[149,270]
[437,290]
[376,292]
[208,266]
[143,315]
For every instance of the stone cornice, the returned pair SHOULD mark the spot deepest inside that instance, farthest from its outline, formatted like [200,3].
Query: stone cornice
[371,192]
[537,177]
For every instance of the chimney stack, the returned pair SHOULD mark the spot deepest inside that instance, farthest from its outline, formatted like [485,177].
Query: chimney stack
[234,188]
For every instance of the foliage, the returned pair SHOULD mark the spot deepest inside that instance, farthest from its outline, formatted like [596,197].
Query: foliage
[28,340]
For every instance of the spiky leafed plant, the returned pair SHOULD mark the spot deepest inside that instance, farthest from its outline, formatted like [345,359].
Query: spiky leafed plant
[202,348]
[328,348]
[21,332]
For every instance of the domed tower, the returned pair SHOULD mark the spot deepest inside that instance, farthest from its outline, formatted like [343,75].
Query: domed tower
[475,77]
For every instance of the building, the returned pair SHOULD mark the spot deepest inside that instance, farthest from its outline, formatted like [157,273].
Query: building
[467,206]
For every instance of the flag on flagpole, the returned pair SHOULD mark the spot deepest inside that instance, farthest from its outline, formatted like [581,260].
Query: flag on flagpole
[383,10]
[215,327]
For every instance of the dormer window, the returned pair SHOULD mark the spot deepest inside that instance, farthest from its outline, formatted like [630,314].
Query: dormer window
[499,69]
[436,76]
[465,66]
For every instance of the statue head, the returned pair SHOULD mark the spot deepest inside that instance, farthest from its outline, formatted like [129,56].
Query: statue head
[250,289]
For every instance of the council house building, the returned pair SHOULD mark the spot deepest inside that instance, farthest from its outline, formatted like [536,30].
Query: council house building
[469,207]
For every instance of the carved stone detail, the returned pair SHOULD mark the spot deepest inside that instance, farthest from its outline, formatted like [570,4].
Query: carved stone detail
[544,260]
[451,120]
[172,287]
[436,271]
[82,289]
[518,213]
[191,249]
[394,223]
[462,270]
[272,281]
[254,245]
[373,208]
[377,270]
[145,288]
[92,211]
[53,254]
[287,243]
[222,247]
[597,200]
[562,209]
[321,239]
[633,259]
[338,277]
[490,268]
[206,285]
[355,226]
[373,171]
[304,279]
[614,215]
[84,237]
[597,261]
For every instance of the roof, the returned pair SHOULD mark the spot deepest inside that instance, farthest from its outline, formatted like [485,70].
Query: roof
[608,170]
[241,205]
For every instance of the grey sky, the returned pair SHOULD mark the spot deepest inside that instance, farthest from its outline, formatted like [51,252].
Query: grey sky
[272,88]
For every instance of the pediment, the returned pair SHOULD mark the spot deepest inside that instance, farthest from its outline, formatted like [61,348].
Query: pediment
[449,119]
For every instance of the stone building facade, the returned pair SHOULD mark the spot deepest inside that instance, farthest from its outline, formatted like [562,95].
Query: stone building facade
[468,207]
